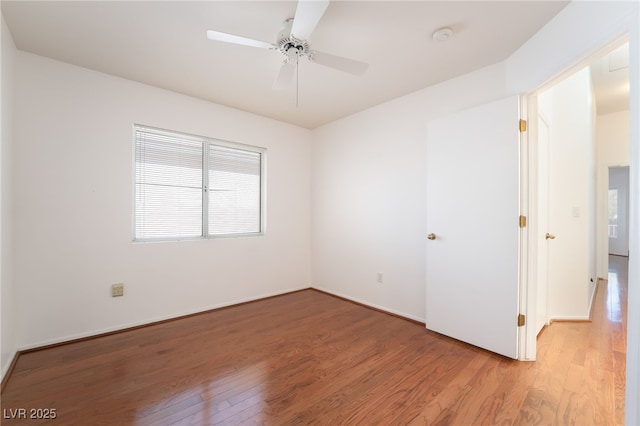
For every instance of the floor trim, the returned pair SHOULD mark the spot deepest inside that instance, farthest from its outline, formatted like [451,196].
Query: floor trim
[7,374]
[18,353]
[366,305]
[152,323]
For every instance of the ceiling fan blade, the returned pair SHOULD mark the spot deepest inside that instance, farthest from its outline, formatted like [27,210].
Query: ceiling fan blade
[285,76]
[350,66]
[308,14]
[230,38]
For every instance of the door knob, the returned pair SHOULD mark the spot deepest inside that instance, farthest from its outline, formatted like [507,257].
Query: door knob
[550,236]
[431,236]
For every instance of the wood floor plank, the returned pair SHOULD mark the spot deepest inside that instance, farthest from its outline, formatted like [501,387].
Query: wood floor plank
[311,358]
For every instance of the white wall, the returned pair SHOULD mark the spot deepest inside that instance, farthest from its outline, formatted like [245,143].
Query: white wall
[7,323]
[73,207]
[369,195]
[567,108]
[612,139]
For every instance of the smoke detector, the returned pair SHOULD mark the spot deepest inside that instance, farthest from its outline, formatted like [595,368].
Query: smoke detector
[442,34]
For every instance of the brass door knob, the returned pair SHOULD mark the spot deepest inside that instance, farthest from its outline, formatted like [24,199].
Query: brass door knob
[550,236]
[431,236]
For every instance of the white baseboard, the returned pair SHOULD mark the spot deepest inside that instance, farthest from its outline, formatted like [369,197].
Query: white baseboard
[6,364]
[372,305]
[150,321]
[569,318]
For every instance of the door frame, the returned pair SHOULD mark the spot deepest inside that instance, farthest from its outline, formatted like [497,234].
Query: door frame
[527,278]
[529,286]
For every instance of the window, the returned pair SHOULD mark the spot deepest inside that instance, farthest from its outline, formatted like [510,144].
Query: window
[613,213]
[189,187]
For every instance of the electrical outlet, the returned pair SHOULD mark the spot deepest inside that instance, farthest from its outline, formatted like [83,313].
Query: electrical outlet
[380,277]
[117,290]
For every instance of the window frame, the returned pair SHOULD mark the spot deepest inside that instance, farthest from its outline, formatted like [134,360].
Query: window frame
[205,143]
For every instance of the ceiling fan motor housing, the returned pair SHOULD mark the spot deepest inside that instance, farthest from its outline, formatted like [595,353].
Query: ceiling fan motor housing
[292,45]
[288,44]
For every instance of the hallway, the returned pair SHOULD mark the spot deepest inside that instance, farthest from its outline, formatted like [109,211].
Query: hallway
[581,365]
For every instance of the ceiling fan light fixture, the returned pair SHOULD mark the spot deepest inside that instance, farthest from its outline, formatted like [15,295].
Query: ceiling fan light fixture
[442,34]
[290,44]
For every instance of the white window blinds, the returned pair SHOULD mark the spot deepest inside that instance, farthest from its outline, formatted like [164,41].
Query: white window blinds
[192,187]
[234,191]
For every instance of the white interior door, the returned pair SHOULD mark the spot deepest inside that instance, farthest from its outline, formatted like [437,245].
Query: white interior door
[472,218]
[619,210]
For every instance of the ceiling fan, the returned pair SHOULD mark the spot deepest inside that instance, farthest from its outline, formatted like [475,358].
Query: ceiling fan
[292,42]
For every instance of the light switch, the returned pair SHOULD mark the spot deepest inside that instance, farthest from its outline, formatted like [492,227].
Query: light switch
[576,211]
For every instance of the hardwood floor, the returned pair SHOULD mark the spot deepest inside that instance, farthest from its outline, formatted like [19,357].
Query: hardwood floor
[311,358]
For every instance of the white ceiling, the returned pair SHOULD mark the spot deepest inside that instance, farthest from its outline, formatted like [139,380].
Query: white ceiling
[164,44]
[610,76]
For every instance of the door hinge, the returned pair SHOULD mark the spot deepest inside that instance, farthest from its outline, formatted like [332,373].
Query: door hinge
[522,221]
[521,320]
[522,125]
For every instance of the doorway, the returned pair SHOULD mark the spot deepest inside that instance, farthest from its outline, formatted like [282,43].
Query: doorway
[618,211]
[575,119]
